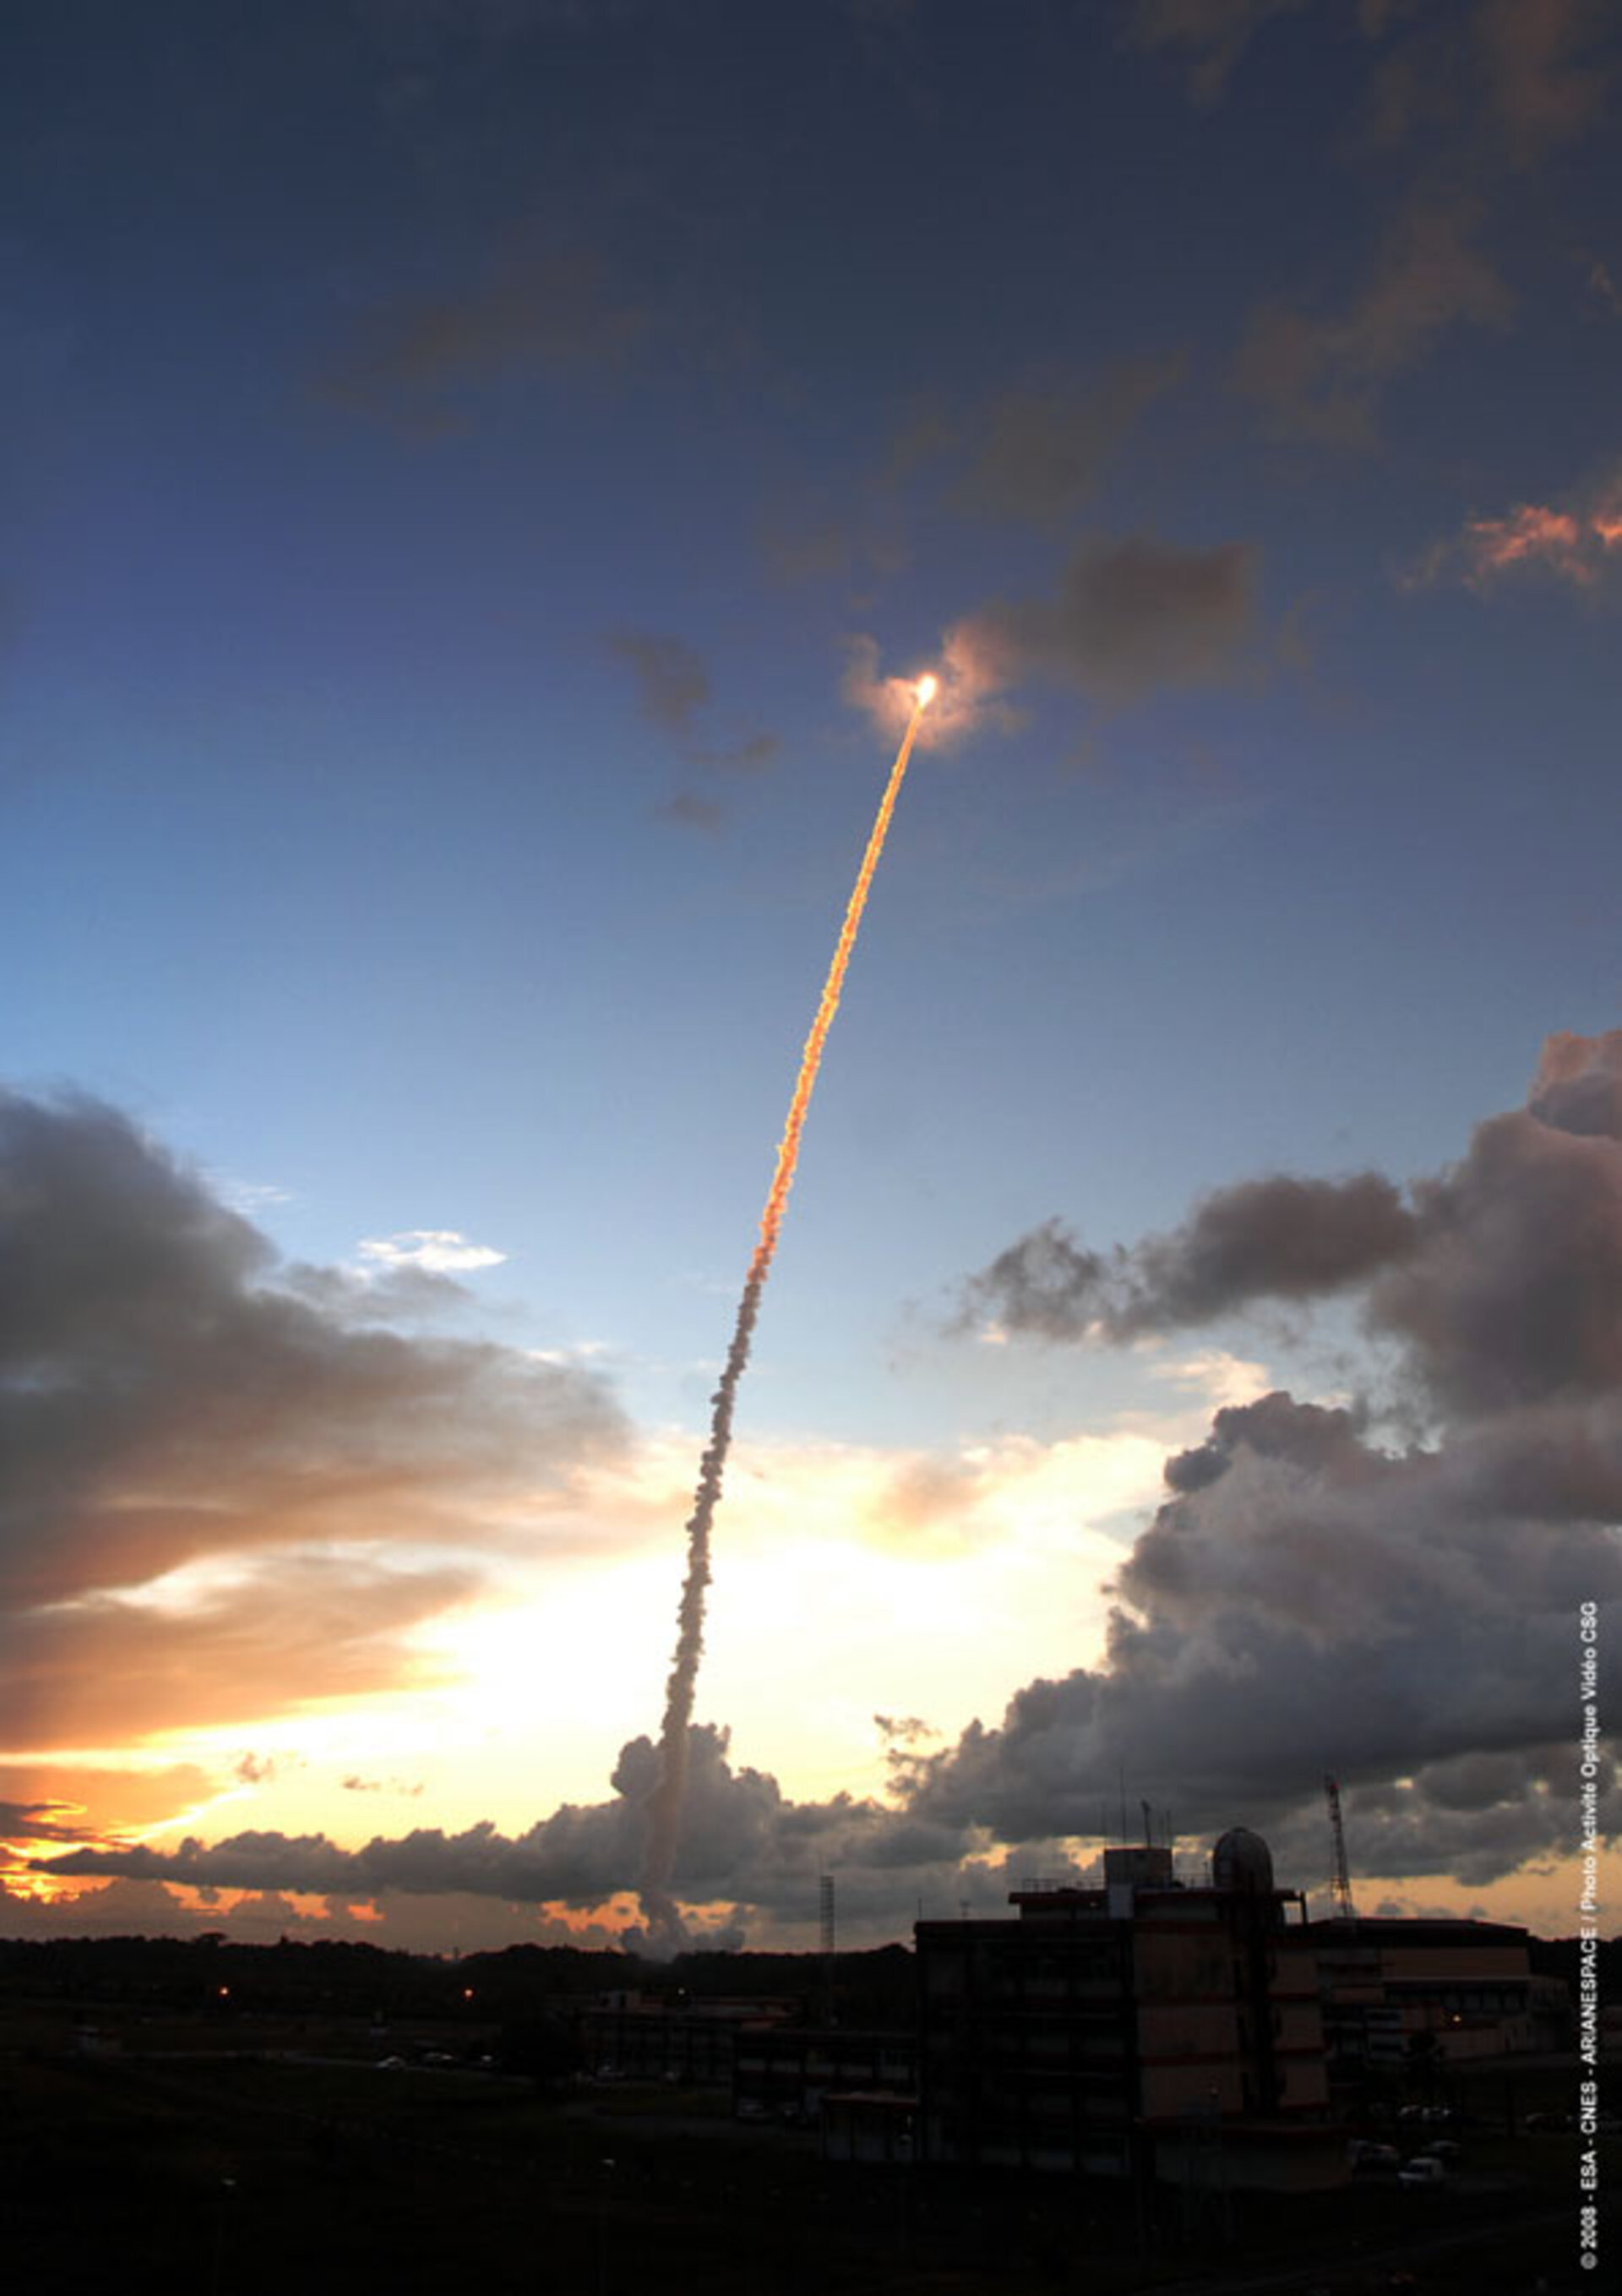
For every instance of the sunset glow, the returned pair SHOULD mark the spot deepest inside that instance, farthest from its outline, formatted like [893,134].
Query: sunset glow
[488,477]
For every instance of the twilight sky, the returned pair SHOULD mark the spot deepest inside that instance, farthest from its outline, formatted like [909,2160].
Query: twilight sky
[481,474]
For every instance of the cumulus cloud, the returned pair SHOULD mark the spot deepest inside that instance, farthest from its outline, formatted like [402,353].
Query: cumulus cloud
[1500,1276]
[440,1250]
[1280,1238]
[1309,1598]
[1312,1592]
[1320,373]
[166,1404]
[1304,1602]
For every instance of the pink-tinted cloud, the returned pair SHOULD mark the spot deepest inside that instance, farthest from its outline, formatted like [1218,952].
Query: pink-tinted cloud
[967,693]
[1576,544]
[1530,533]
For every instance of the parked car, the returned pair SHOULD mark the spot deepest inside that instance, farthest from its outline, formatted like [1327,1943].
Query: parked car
[1369,2159]
[1423,2170]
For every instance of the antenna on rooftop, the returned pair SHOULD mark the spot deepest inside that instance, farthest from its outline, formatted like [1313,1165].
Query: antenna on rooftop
[825,1892]
[1342,1885]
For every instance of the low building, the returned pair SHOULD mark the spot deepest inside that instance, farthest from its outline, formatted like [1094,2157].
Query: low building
[784,2072]
[1393,1989]
[631,2037]
[1149,2028]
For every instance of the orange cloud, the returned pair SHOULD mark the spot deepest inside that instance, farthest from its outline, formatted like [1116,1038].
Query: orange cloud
[1530,533]
[1573,544]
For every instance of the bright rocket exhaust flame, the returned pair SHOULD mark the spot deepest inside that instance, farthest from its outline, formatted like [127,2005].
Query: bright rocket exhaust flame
[666,1803]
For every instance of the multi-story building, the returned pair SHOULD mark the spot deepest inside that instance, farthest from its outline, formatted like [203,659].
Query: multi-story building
[1147,2028]
[1453,1989]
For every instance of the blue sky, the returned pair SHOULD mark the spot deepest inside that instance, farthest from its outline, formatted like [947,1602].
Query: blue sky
[475,464]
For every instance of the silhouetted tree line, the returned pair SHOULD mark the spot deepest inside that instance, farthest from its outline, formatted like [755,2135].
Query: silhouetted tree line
[337,1976]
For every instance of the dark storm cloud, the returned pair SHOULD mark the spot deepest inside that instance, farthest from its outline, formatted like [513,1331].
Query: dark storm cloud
[1319,370]
[1514,1293]
[1501,1277]
[1127,616]
[163,1399]
[1306,1599]
[1280,1238]
[1313,1604]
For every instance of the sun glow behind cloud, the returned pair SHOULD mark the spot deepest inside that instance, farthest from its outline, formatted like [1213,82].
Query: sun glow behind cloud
[940,1580]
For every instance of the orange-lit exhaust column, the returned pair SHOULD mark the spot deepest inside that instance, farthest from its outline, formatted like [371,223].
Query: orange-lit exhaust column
[666,1803]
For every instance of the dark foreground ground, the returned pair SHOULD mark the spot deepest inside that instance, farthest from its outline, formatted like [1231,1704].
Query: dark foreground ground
[193,2159]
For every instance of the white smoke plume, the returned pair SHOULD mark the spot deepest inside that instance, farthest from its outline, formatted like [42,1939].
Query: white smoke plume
[666,1803]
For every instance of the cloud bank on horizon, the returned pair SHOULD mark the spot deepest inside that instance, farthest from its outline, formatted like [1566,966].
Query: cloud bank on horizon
[1308,1596]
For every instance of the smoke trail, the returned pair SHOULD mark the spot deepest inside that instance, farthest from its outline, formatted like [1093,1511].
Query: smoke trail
[664,1804]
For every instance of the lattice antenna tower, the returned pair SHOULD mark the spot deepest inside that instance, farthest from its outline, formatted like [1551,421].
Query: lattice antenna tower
[824,1891]
[1343,1881]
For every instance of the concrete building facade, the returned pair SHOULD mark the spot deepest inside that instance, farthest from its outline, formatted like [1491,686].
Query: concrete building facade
[1148,2028]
